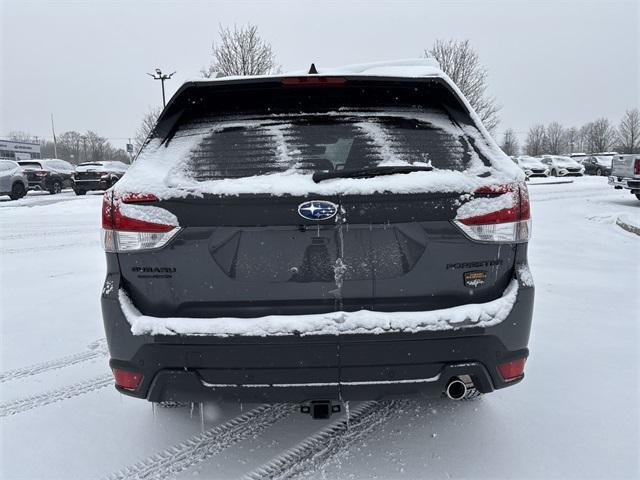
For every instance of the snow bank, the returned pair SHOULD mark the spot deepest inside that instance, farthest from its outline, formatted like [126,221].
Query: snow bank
[333,323]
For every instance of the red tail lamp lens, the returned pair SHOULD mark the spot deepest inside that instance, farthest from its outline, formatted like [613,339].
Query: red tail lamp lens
[512,370]
[126,379]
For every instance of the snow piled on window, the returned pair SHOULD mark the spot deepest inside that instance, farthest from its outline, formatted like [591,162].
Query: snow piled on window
[333,323]
[162,169]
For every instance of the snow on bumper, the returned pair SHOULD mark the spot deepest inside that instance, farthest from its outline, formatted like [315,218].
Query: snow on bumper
[334,323]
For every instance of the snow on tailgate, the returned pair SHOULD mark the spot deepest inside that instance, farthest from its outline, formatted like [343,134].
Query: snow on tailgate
[333,323]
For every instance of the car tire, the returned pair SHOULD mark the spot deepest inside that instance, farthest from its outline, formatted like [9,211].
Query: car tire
[80,192]
[17,191]
[638,196]
[56,187]
[599,172]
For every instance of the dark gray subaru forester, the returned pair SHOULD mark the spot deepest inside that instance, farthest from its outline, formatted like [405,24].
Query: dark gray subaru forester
[318,238]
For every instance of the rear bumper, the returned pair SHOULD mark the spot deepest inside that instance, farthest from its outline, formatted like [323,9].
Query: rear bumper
[39,185]
[628,183]
[329,367]
[93,184]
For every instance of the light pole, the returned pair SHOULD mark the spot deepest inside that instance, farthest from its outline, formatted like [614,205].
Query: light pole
[162,77]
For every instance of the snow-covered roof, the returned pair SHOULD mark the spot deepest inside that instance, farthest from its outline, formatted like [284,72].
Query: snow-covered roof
[409,68]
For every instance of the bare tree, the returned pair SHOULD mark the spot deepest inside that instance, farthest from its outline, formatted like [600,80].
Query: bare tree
[599,135]
[573,140]
[241,51]
[70,146]
[535,140]
[146,127]
[554,139]
[510,143]
[17,136]
[628,134]
[460,61]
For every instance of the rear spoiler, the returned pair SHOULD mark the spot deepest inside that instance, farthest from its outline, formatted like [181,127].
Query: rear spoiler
[296,93]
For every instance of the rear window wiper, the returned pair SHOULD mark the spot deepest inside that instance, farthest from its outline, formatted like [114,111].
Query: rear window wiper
[369,172]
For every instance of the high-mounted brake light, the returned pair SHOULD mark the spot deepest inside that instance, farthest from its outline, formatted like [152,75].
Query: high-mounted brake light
[127,228]
[497,214]
[312,81]
[512,370]
[126,379]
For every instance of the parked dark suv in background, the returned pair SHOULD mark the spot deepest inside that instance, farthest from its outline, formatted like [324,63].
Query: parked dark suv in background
[50,174]
[598,164]
[315,239]
[97,176]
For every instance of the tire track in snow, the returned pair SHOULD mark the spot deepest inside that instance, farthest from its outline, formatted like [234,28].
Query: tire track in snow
[96,349]
[204,445]
[28,403]
[318,448]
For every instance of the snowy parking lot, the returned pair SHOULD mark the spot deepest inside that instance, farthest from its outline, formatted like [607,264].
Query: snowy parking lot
[574,416]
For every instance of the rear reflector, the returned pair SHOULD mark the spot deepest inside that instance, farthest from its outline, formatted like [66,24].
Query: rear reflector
[313,81]
[497,214]
[140,229]
[512,370]
[126,379]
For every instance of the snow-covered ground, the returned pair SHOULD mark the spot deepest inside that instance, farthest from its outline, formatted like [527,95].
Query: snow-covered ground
[574,416]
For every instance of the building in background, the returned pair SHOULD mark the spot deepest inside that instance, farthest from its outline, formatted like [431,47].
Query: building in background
[19,150]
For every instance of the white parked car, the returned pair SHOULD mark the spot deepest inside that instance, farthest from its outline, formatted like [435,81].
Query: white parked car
[532,166]
[560,166]
[13,181]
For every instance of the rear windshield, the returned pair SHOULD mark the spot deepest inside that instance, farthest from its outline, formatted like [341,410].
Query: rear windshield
[30,164]
[243,147]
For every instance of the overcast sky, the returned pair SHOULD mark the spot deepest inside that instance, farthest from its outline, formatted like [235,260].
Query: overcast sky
[86,62]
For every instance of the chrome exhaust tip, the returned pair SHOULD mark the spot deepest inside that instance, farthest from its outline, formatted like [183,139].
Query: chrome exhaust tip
[456,389]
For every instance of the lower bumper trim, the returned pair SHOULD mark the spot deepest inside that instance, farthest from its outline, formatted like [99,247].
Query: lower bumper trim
[320,384]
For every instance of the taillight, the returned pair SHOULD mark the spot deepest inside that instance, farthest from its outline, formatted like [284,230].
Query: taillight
[636,166]
[498,214]
[128,226]
[512,370]
[126,379]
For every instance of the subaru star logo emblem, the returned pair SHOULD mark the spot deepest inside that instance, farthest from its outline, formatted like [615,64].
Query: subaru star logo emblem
[317,210]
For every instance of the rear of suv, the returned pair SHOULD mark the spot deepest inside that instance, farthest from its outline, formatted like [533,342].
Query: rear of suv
[50,174]
[97,175]
[323,237]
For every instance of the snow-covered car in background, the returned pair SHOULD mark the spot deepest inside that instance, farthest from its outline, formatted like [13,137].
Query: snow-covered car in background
[532,167]
[561,166]
[597,164]
[13,181]
[97,175]
[50,174]
[625,173]
[346,235]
